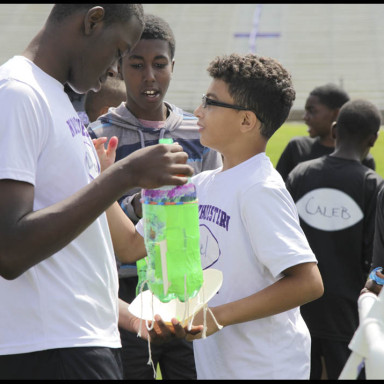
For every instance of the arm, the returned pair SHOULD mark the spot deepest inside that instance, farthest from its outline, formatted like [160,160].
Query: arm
[127,243]
[285,163]
[378,246]
[301,284]
[27,237]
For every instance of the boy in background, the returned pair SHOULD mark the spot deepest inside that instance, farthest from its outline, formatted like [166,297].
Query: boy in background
[321,110]
[111,94]
[336,198]
[141,121]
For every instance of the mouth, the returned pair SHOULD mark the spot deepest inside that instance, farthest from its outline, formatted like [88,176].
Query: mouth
[151,93]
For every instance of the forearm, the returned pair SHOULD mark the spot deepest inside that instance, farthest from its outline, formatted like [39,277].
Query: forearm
[28,237]
[126,319]
[293,290]
[128,244]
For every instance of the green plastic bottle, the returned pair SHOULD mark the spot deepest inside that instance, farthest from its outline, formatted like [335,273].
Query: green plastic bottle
[141,266]
[172,240]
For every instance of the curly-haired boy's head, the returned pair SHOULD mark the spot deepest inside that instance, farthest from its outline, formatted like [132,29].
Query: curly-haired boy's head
[157,28]
[260,84]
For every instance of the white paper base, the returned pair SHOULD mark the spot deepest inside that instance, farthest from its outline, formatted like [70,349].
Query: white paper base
[146,305]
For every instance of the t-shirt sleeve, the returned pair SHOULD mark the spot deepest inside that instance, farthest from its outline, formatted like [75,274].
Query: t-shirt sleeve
[378,241]
[22,134]
[285,163]
[274,229]
[140,227]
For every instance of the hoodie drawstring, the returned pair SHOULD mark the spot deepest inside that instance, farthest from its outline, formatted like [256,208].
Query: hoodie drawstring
[142,142]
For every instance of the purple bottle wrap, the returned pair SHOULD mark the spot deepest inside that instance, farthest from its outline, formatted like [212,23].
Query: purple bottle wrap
[180,194]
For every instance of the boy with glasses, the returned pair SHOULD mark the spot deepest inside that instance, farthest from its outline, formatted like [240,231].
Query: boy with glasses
[249,230]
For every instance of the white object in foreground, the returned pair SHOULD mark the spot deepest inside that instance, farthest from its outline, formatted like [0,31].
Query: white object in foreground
[146,305]
[367,344]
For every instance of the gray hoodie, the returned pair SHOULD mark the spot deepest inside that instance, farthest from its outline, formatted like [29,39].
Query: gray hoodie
[180,125]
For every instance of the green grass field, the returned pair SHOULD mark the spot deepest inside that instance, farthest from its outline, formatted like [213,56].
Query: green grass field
[280,139]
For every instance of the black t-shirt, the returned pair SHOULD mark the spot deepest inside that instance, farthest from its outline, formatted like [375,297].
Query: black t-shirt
[336,200]
[305,148]
[378,242]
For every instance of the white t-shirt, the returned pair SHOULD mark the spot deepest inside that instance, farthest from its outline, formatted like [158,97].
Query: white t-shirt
[69,299]
[249,230]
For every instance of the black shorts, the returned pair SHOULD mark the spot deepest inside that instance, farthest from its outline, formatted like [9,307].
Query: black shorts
[80,363]
[175,358]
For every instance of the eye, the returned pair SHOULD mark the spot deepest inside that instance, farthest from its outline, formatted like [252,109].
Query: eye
[137,66]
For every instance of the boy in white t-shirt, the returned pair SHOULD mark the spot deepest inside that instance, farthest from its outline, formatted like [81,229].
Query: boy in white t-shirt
[59,302]
[250,230]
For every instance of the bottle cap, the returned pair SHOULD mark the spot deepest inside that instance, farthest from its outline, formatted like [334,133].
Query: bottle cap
[166,141]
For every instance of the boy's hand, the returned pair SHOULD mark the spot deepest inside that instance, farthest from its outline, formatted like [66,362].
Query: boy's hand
[161,332]
[210,322]
[154,166]
[106,156]
[372,286]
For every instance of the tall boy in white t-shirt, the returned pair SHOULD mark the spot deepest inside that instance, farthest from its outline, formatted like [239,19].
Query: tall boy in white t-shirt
[250,230]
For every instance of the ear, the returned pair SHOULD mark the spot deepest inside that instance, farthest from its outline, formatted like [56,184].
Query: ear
[249,121]
[373,139]
[104,110]
[92,18]
[334,129]
[336,113]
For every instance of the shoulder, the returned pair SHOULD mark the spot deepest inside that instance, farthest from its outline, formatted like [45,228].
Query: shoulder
[181,112]
[203,176]
[308,165]
[20,98]
[301,140]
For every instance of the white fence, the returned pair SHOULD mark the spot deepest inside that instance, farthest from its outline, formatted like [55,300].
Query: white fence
[318,43]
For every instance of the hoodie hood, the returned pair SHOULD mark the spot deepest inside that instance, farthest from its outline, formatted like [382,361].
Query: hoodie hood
[122,117]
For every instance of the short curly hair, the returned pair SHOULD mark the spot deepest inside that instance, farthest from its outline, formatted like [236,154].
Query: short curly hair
[113,12]
[259,83]
[330,95]
[359,119]
[157,28]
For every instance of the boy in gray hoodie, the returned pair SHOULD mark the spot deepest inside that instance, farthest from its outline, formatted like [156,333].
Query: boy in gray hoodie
[141,121]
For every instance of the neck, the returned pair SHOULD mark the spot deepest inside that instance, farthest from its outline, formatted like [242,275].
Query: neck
[40,52]
[158,114]
[232,158]
[349,153]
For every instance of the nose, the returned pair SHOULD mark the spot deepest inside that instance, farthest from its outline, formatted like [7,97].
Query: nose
[114,67]
[305,117]
[149,74]
[197,111]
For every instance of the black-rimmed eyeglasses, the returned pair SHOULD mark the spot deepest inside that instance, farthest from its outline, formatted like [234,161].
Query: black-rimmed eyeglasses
[207,101]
